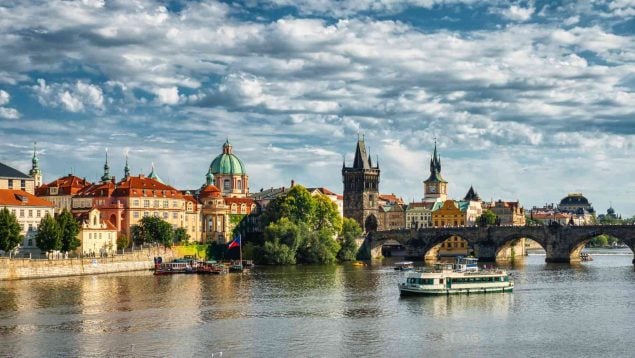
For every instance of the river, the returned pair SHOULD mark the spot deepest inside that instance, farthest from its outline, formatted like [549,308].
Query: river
[584,310]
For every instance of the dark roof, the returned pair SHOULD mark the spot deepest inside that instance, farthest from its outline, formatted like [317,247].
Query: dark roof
[361,157]
[8,172]
[574,199]
[472,195]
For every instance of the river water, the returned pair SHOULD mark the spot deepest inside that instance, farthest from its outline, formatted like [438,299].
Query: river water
[585,310]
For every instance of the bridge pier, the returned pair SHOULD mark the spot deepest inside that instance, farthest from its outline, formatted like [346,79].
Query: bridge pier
[485,252]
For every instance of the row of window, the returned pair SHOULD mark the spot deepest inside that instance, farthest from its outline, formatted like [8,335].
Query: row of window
[479,279]
[94,236]
[156,214]
[21,214]
[11,185]
[420,281]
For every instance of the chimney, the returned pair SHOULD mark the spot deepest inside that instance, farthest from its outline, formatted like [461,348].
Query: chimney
[292,183]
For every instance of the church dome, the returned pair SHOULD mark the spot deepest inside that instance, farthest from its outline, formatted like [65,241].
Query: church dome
[574,199]
[227,162]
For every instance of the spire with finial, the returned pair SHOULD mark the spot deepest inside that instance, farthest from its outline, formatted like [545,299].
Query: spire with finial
[227,147]
[154,175]
[106,175]
[126,169]
[35,171]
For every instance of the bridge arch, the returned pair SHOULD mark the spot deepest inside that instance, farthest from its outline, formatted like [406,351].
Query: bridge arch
[512,247]
[580,242]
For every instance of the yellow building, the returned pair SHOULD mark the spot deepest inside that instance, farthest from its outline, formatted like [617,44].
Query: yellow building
[97,236]
[449,214]
[14,179]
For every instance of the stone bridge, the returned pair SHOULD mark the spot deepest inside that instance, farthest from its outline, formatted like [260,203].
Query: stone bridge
[561,243]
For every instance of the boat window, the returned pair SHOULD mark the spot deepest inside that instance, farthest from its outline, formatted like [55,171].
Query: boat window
[441,281]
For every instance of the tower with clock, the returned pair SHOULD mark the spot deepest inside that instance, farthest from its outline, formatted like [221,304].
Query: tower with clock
[435,187]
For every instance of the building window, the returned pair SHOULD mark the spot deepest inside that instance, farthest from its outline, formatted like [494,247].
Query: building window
[146,214]
[166,204]
[136,202]
[146,203]
[10,183]
[38,214]
[166,215]
[175,215]
[30,213]
[226,185]
[239,184]
[174,204]
[135,214]
[30,242]
[156,214]
[22,184]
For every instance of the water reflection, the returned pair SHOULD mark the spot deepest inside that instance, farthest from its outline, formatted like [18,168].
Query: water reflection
[313,310]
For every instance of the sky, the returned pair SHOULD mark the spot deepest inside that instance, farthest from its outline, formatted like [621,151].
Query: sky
[528,100]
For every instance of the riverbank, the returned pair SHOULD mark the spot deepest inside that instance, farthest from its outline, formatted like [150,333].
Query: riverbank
[20,269]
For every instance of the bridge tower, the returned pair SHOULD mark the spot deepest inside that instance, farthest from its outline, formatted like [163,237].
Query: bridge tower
[435,187]
[361,189]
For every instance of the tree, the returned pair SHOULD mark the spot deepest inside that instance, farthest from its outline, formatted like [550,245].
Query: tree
[599,241]
[216,251]
[138,234]
[157,230]
[49,236]
[298,205]
[181,235]
[10,231]
[69,229]
[326,215]
[318,248]
[487,218]
[285,232]
[274,253]
[350,231]
[123,241]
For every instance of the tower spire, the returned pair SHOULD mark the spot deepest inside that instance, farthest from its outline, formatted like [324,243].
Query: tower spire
[126,169]
[106,175]
[35,171]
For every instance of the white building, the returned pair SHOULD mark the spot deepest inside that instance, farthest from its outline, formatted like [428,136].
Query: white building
[96,235]
[29,210]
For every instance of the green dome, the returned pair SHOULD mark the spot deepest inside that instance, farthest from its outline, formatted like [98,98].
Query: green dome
[227,162]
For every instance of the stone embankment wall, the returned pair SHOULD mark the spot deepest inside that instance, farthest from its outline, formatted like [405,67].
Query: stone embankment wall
[17,269]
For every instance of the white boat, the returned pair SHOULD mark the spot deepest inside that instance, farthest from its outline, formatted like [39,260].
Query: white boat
[404,266]
[462,277]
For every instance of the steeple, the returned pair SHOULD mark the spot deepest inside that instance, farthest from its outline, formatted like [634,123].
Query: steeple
[35,171]
[472,195]
[126,169]
[361,156]
[435,166]
[106,175]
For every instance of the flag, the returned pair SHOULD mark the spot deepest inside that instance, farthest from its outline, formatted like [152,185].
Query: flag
[235,243]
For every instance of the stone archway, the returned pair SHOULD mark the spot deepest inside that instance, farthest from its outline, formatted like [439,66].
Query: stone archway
[371,223]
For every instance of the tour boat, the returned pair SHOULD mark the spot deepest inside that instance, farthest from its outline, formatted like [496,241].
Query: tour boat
[404,266]
[462,277]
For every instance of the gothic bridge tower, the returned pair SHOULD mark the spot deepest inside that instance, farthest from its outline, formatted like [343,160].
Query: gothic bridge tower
[361,189]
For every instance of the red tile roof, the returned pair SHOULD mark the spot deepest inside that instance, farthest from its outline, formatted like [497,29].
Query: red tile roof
[139,186]
[210,191]
[68,185]
[9,197]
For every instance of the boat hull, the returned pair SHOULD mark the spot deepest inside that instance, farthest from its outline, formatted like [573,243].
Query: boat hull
[405,290]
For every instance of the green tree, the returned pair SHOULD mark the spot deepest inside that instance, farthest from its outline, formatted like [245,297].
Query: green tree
[274,253]
[599,241]
[181,235]
[216,251]
[138,234]
[157,230]
[10,231]
[285,232]
[69,229]
[318,248]
[122,241]
[298,205]
[49,236]
[326,216]
[350,231]
[487,218]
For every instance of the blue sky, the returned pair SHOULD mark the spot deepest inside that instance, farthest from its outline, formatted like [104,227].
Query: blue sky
[529,100]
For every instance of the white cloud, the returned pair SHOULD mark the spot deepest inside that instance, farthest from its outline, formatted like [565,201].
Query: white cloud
[169,96]
[518,13]
[9,113]
[77,97]
[4,97]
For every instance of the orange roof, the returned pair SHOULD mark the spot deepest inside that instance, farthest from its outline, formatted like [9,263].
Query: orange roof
[192,199]
[99,189]
[391,198]
[68,185]
[139,186]
[9,197]
[210,191]
[239,201]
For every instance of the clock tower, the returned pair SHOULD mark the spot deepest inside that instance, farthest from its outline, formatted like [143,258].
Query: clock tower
[435,188]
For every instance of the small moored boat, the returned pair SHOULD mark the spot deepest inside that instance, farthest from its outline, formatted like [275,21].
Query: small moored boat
[585,256]
[404,266]
[359,263]
[462,277]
